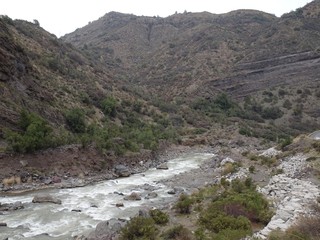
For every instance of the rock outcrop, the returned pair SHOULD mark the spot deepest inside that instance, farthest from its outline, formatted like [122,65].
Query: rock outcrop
[122,171]
[107,230]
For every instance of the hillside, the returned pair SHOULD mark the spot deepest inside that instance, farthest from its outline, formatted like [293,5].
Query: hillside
[202,100]
[53,95]
[125,85]
[189,57]
[178,55]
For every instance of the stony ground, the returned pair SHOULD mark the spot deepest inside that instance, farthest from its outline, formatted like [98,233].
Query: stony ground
[291,191]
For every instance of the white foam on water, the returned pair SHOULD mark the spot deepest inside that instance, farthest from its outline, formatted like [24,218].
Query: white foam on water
[59,220]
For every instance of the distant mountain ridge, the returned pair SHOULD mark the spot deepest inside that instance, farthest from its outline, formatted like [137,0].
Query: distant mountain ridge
[181,53]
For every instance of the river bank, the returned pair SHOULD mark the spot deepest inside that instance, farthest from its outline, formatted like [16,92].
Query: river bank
[80,176]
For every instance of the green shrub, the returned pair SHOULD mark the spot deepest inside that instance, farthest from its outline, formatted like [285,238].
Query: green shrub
[75,119]
[139,228]
[269,161]
[223,101]
[7,19]
[224,182]
[36,134]
[287,104]
[217,222]
[252,169]
[281,92]
[245,131]
[229,216]
[230,168]
[184,204]
[316,145]
[159,217]
[285,142]
[231,234]
[108,106]
[177,232]
[271,113]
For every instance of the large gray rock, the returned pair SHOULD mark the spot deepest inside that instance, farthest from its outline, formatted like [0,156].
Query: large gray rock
[163,166]
[133,197]
[107,230]
[122,171]
[45,199]
[151,195]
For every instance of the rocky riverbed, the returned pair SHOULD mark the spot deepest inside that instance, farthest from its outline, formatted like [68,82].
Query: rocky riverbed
[290,192]
[90,204]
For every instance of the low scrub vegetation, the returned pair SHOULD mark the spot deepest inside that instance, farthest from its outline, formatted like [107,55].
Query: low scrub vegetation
[225,212]
[139,228]
[183,206]
[177,232]
[159,217]
[35,134]
[128,133]
[230,214]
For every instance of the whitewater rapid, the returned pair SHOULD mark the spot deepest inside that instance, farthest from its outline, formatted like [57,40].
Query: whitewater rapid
[93,203]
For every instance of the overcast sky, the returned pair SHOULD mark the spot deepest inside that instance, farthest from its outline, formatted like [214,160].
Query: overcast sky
[63,16]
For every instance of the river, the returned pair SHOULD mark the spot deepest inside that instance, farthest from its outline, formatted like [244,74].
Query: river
[96,203]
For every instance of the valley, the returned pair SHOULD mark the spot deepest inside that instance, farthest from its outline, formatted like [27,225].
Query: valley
[113,100]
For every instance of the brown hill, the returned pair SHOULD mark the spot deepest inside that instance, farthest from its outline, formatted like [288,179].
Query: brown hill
[179,54]
[54,94]
[140,67]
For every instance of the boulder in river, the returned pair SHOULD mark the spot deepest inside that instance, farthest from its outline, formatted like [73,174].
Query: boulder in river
[151,195]
[3,224]
[107,230]
[176,190]
[45,199]
[75,210]
[163,166]
[122,171]
[133,197]
[119,205]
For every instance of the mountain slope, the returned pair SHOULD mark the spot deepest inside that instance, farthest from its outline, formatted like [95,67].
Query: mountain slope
[179,54]
[191,57]
[53,94]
